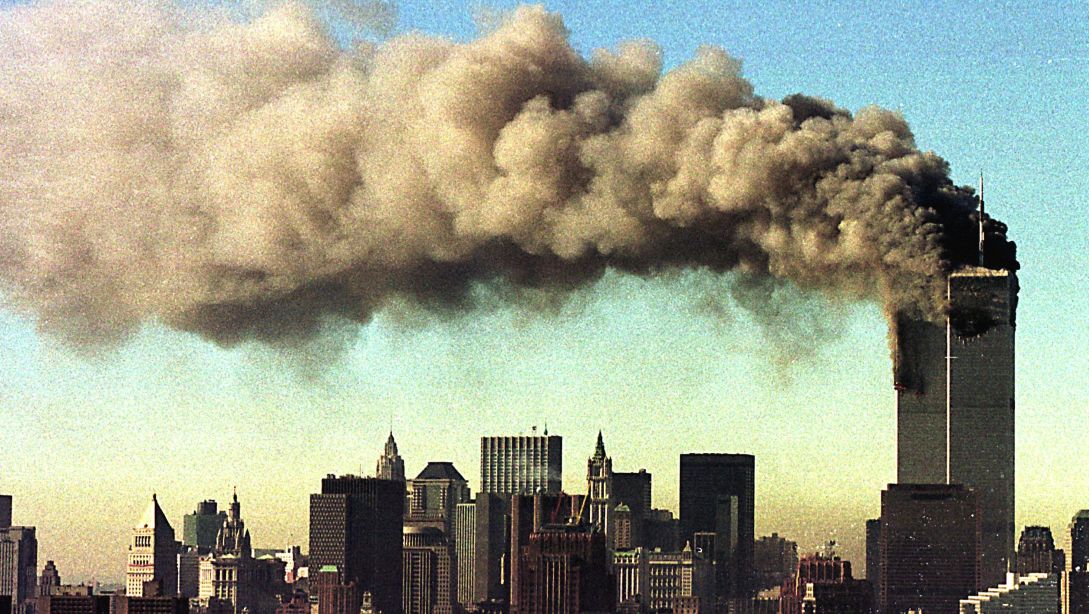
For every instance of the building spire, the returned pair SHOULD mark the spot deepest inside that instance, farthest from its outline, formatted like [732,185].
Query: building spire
[981,233]
[599,449]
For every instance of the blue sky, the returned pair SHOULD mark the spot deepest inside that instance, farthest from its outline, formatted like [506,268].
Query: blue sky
[992,87]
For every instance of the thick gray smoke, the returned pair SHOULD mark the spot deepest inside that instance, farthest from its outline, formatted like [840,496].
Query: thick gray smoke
[255,181]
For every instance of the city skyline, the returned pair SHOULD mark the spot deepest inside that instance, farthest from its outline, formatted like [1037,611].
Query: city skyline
[172,414]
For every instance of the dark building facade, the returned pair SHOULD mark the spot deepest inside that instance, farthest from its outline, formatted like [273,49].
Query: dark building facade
[1036,552]
[19,566]
[491,543]
[1078,580]
[825,585]
[930,547]
[529,515]
[718,496]
[955,403]
[564,570]
[356,526]
[873,557]
[74,604]
[200,528]
[521,465]
[634,490]
[335,593]
[775,560]
[429,585]
[662,531]
[151,605]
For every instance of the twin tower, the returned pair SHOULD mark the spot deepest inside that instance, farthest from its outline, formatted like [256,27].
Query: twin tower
[955,403]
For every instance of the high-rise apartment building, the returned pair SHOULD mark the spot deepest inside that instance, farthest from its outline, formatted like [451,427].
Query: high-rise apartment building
[718,496]
[955,402]
[200,528]
[356,526]
[521,465]
[390,464]
[930,547]
[152,553]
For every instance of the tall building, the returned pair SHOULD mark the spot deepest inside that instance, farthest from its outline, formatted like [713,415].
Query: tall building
[1077,589]
[232,576]
[633,490]
[521,465]
[930,547]
[622,521]
[390,464]
[356,526]
[955,402]
[49,579]
[429,582]
[718,496]
[662,531]
[1036,593]
[152,552]
[434,495]
[873,557]
[200,528]
[492,543]
[599,478]
[18,562]
[335,593]
[775,560]
[465,554]
[1036,553]
[529,515]
[564,570]
[825,584]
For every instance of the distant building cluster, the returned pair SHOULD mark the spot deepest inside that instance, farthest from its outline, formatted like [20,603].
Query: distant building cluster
[388,544]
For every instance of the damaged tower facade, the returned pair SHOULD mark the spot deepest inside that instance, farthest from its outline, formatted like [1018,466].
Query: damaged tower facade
[955,403]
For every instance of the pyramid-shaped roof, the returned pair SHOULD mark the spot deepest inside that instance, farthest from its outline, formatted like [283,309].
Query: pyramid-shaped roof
[440,471]
[153,517]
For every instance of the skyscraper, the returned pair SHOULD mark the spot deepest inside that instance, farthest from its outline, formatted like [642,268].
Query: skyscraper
[356,526]
[18,565]
[564,570]
[873,557]
[434,495]
[390,464]
[49,579]
[955,402]
[718,496]
[1078,578]
[1036,553]
[634,490]
[828,585]
[1036,593]
[492,542]
[529,515]
[152,553]
[599,478]
[775,559]
[428,577]
[199,529]
[521,465]
[465,554]
[930,547]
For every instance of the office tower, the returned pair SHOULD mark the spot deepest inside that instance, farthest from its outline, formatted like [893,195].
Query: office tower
[390,464]
[599,477]
[521,465]
[434,495]
[429,582]
[356,526]
[152,552]
[73,604]
[492,542]
[827,584]
[1036,593]
[955,403]
[873,557]
[774,561]
[49,579]
[563,570]
[529,514]
[662,531]
[465,554]
[1036,553]
[336,594]
[1079,541]
[19,565]
[200,528]
[717,495]
[633,490]
[189,572]
[233,576]
[930,547]
[5,511]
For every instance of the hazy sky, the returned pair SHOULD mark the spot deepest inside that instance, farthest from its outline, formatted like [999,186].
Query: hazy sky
[992,87]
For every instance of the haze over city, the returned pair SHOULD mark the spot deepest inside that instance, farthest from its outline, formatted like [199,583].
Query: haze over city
[161,401]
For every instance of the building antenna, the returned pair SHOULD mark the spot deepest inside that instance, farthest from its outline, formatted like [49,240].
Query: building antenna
[981,234]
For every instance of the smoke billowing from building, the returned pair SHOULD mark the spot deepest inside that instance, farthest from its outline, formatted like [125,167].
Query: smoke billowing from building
[254,180]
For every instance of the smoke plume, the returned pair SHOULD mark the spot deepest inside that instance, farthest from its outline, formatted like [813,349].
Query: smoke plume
[254,180]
